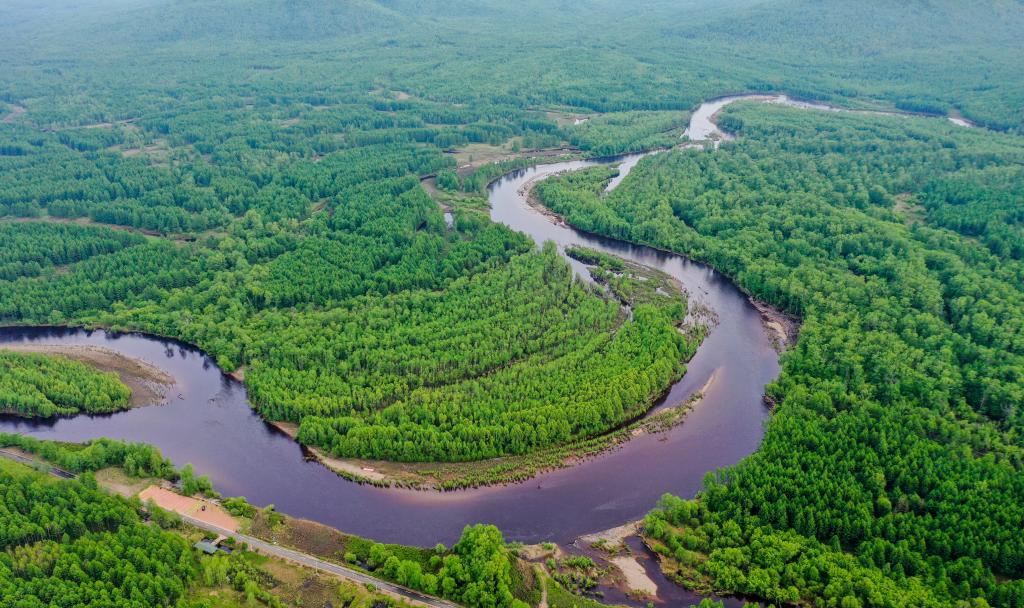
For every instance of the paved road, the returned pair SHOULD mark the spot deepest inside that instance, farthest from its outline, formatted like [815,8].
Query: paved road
[35,464]
[321,565]
[276,551]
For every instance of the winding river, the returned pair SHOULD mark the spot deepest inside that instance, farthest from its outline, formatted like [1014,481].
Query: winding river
[209,423]
[208,420]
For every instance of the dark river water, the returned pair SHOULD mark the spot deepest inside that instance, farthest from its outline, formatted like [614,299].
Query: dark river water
[208,422]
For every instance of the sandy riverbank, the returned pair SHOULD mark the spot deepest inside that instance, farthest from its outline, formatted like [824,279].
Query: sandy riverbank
[784,327]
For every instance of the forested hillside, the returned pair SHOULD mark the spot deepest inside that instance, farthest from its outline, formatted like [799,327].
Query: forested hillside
[600,55]
[891,472]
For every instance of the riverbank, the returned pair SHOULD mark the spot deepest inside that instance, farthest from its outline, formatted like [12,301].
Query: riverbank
[149,384]
[783,327]
[214,427]
[437,476]
[704,127]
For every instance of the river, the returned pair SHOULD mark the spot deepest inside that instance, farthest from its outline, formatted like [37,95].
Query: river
[209,423]
[702,126]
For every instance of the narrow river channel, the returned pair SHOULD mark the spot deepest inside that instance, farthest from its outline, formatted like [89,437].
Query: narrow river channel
[208,420]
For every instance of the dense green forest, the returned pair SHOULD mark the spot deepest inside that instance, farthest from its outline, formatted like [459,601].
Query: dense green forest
[228,59]
[465,329]
[891,472]
[71,543]
[477,571]
[245,176]
[36,385]
[281,230]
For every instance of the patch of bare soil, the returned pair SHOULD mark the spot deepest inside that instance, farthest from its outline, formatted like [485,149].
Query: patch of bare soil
[196,508]
[15,112]
[149,384]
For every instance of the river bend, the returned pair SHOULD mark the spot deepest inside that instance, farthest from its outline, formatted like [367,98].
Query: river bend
[209,423]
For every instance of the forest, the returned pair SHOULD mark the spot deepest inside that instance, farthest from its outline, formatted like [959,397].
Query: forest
[254,177]
[267,260]
[477,571]
[891,470]
[72,543]
[294,305]
[35,385]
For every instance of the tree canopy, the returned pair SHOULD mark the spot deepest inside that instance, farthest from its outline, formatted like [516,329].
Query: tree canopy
[893,461]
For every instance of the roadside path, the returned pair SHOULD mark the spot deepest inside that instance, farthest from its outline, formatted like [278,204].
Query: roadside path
[35,464]
[266,548]
[309,561]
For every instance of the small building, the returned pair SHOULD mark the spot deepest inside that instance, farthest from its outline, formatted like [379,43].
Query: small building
[210,547]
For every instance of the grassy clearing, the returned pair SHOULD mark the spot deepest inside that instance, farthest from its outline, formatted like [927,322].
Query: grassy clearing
[119,482]
[15,468]
[559,597]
